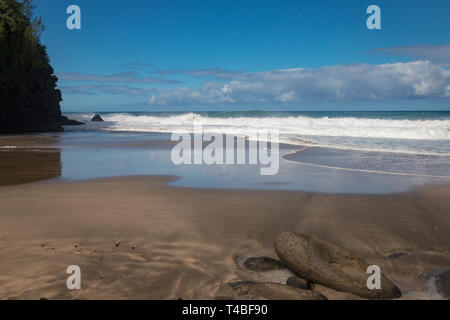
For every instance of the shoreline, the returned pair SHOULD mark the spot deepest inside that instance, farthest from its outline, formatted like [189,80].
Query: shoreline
[298,152]
[53,175]
[186,240]
[82,157]
[174,178]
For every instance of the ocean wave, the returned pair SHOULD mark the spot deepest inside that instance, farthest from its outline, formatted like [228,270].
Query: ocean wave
[301,126]
[427,136]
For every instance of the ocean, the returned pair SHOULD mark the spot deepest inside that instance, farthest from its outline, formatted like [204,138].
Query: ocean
[415,132]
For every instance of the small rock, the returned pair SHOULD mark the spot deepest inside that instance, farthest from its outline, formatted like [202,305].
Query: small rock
[239,261]
[299,283]
[324,263]
[428,249]
[263,264]
[395,255]
[277,291]
[443,284]
[241,287]
[97,118]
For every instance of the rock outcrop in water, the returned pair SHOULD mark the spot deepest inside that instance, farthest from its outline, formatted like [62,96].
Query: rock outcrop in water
[97,118]
[69,122]
[29,100]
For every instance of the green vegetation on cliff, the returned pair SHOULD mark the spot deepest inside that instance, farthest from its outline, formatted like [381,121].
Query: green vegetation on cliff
[29,100]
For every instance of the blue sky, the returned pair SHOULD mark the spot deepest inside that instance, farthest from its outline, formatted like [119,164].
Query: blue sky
[165,55]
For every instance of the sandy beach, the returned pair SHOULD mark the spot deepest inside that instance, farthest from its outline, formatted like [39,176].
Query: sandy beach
[183,243]
[222,150]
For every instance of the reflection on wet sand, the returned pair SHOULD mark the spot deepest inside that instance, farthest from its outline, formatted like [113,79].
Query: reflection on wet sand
[25,159]
[25,166]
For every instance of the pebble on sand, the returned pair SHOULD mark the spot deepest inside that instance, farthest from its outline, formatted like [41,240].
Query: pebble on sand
[263,264]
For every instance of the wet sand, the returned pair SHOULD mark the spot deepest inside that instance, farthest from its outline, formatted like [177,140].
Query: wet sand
[183,243]
[29,165]
[188,243]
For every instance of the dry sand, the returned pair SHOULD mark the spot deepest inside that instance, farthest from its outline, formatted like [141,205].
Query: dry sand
[183,243]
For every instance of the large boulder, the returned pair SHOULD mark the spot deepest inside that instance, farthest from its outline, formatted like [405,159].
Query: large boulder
[326,264]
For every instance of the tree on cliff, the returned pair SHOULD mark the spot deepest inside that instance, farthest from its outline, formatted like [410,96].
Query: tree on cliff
[29,100]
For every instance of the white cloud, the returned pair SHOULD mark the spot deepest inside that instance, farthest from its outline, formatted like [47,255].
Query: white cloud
[341,83]
[436,53]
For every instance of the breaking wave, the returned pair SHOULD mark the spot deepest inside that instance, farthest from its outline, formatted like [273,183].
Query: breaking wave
[427,136]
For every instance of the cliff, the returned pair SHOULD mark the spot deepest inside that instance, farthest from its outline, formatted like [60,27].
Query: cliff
[29,100]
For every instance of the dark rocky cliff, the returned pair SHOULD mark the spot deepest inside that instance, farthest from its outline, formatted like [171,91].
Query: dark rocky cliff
[29,100]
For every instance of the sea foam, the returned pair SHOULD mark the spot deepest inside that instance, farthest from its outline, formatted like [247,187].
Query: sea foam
[423,136]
